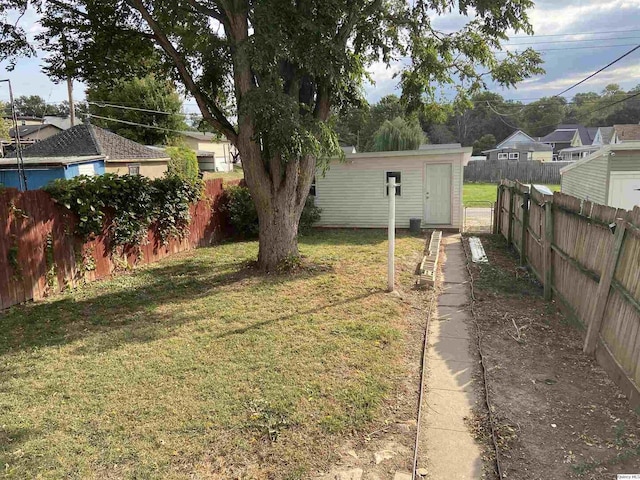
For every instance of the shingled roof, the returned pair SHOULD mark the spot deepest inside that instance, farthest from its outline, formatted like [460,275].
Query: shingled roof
[626,133]
[29,129]
[85,140]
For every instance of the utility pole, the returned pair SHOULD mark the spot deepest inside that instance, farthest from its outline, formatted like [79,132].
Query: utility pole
[72,107]
[16,131]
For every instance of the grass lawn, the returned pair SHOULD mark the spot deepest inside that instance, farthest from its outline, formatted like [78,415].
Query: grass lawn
[198,367]
[481,194]
[236,174]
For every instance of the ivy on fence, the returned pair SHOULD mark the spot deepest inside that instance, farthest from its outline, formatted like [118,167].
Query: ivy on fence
[124,207]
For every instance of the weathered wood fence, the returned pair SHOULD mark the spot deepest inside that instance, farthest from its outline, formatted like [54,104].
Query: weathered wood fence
[39,255]
[530,171]
[587,256]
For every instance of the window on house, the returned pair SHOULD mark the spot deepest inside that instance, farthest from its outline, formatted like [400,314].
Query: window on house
[503,156]
[312,190]
[134,169]
[398,177]
[514,156]
[86,169]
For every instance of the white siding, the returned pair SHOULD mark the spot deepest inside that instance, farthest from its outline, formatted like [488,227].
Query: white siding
[587,180]
[352,193]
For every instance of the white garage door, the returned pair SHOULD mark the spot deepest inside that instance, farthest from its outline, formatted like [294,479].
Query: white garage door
[624,190]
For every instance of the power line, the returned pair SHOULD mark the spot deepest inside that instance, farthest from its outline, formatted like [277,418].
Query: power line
[135,124]
[147,110]
[572,34]
[570,41]
[572,48]
[598,71]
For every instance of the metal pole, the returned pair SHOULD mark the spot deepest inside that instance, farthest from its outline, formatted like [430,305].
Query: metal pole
[392,234]
[14,117]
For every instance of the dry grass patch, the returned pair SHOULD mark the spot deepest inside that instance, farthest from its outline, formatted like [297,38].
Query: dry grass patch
[197,367]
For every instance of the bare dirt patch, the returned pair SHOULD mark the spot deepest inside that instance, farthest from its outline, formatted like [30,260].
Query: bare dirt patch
[559,415]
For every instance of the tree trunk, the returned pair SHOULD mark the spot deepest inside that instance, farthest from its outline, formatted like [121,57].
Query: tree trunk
[278,232]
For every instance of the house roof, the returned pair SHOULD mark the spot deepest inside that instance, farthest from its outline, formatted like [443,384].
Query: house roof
[565,133]
[49,161]
[513,135]
[628,132]
[606,133]
[204,136]
[519,146]
[25,130]
[87,140]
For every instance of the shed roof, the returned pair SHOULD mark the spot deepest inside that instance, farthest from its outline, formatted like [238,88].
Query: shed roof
[90,140]
[49,161]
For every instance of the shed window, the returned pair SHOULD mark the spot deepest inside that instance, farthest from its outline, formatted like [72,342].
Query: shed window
[398,177]
[312,190]
[514,156]
[134,168]
[503,156]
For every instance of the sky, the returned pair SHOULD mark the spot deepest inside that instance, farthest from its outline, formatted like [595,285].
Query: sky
[575,38]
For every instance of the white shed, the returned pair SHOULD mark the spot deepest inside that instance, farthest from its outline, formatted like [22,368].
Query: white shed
[610,176]
[353,193]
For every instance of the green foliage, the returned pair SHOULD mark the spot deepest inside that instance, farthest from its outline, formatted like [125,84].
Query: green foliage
[183,162]
[124,207]
[244,217]
[485,142]
[5,125]
[398,134]
[242,212]
[150,93]
[36,106]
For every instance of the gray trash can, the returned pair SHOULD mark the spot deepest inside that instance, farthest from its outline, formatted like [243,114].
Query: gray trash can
[414,225]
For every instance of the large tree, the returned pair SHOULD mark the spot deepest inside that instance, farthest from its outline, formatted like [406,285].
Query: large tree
[278,67]
[136,102]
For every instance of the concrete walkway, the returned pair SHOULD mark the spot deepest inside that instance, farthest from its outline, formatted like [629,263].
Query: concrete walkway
[447,449]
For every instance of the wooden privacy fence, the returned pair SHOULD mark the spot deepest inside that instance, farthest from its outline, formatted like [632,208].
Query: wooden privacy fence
[39,254]
[587,256]
[529,171]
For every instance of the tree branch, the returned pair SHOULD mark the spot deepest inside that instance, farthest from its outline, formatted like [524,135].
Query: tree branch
[209,110]
[209,12]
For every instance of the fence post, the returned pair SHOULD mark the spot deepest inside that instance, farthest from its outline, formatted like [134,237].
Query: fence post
[525,224]
[497,211]
[548,242]
[602,295]
[510,218]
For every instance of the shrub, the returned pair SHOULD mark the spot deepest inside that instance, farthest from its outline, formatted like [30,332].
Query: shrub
[183,162]
[244,218]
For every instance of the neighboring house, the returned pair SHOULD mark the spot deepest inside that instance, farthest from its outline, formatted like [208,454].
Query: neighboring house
[25,120]
[610,176]
[353,193]
[625,133]
[41,171]
[120,155]
[567,136]
[213,154]
[521,151]
[34,133]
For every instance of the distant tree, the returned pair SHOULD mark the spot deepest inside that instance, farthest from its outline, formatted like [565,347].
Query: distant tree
[543,116]
[183,162]
[36,106]
[485,142]
[5,125]
[398,134]
[148,93]
[441,134]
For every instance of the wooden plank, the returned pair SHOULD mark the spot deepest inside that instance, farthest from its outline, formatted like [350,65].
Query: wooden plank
[604,286]
[525,227]
[607,360]
[548,252]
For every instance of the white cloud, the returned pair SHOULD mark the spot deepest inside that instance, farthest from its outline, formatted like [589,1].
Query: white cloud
[614,75]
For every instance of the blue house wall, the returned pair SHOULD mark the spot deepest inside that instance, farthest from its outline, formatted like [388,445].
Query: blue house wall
[38,177]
